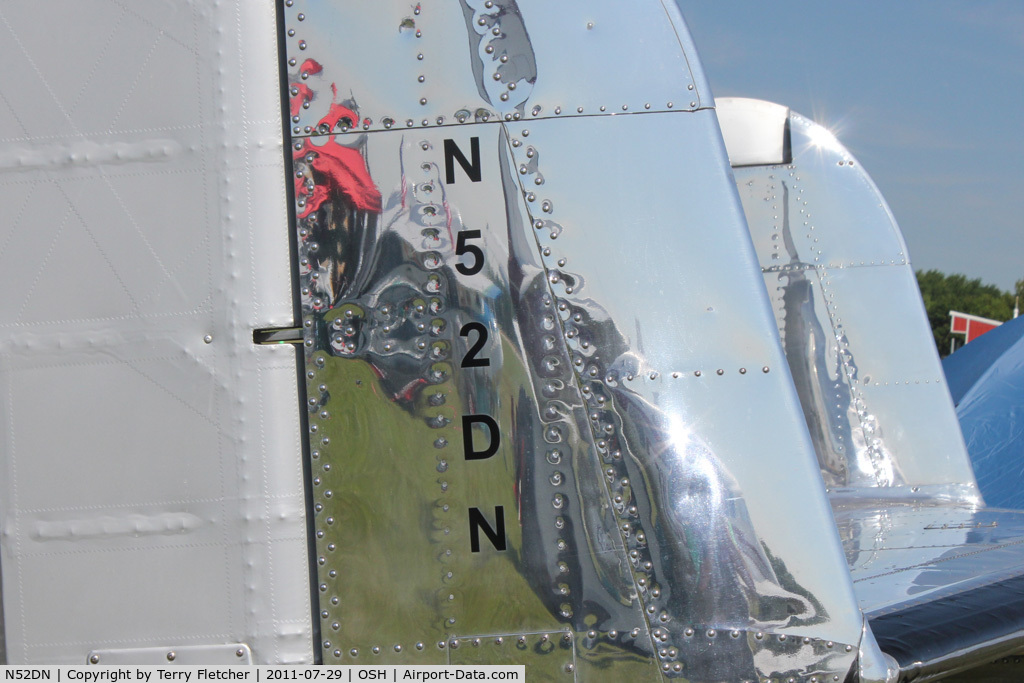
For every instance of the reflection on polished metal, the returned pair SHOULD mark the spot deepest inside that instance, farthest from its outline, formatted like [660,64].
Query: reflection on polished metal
[849,312]
[523,449]
[937,576]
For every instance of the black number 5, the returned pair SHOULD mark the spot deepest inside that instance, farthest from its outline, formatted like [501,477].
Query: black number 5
[462,248]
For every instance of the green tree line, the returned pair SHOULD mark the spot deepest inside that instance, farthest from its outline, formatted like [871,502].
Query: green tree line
[944,293]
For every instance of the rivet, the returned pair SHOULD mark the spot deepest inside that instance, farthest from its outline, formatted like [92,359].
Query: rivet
[171,656]
[720,371]
[697,373]
[94,659]
[354,652]
[712,633]
[688,632]
[764,369]
[208,339]
[398,648]
[419,56]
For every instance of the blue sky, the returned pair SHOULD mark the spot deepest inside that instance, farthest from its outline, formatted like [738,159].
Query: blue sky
[929,96]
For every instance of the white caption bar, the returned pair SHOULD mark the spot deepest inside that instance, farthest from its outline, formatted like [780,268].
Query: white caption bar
[261,673]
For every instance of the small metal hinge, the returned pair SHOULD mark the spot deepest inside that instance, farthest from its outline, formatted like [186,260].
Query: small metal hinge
[277,335]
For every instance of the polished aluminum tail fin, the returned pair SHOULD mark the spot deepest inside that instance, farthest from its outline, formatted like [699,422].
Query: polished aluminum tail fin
[937,574]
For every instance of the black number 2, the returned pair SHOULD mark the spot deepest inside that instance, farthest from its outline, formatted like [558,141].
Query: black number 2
[462,248]
[471,361]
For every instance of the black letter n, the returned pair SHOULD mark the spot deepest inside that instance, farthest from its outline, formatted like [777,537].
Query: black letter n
[477,522]
[452,151]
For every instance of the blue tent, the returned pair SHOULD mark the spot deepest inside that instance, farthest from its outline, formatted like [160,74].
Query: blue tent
[986,380]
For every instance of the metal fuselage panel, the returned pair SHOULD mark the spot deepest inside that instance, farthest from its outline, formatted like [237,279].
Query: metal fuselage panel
[853,326]
[525,448]
[151,491]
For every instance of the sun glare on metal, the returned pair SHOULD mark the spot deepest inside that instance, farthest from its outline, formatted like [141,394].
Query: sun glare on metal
[822,137]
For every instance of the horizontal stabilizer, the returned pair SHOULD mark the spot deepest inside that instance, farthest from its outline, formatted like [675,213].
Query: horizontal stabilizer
[942,587]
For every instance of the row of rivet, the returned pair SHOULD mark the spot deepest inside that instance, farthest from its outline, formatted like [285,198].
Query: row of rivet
[521,642]
[799,266]
[427,200]
[552,414]
[462,116]
[342,330]
[375,649]
[878,455]
[554,418]
[170,656]
[603,424]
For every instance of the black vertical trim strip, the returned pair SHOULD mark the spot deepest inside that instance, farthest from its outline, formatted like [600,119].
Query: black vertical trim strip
[300,364]
[787,143]
[3,630]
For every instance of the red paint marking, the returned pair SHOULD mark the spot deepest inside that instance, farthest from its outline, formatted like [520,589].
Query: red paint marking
[448,222]
[336,113]
[303,94]
[311,67]
[407,392]
[344,170]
